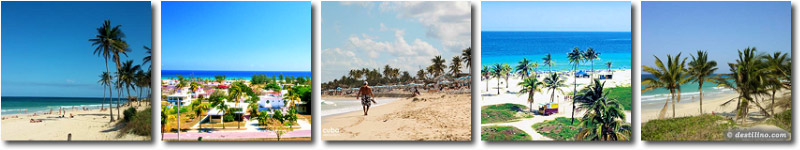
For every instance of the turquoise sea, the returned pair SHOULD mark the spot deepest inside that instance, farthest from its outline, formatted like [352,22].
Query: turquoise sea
[689,92]
[17,105]
[171,74]
[510,47]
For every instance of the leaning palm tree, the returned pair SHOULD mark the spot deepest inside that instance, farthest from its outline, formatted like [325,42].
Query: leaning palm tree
[438,66]
[455,66]
[748,75]
[497,72]
[127,74]
[506,72]
[530,86]
[466,56]
[575,57]
[548,61]
[591,55]
[554,82]
[604,119]
[108,41]
[523,68]
[700,68]
[669,77]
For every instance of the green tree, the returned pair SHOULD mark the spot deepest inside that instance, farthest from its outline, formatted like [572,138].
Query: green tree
[575,57]
[438,66]
[669,77]
[466,57]
[530,86]
[604,119]
[591,55]
[109,42]
[548,61]
[553,82]
[700,68]
[523,68]
[455,66]
[497,72]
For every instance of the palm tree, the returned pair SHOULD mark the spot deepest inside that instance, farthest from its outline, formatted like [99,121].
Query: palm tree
[486,74]
[127,75]
[219,103]
[775,63]
[106,79]
[548,61]
[438,66]
[147,58]
[455,66]
[506,72]
[604,119]
[421,74]
[141,82]
[553,82]
[523,67]
[749,74]
[700,68]
[530,86]
[668,77]
[497,72]
[534,65]
[108,41]
[575,57]
[609,66]
[466,56]
[591,55]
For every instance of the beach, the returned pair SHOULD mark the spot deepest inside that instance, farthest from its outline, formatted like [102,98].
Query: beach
[711,104]
[429,117]
[87,125]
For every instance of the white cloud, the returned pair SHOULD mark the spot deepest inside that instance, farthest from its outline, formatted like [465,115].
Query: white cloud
[447,21]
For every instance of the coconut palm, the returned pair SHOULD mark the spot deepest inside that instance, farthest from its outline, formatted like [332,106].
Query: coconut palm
[604,119]
[127,74]
[486,74]
[523,68]
[106,79]
[438,66]
[700,68]
[548,61]
[455,66]
[147,58]
[609,66]
[669,77]
[141,81]
[591,55]
[575,57]
[108,41]
[506,72]
[219,103]
[749,75]
[534,66]
[466,56]
[497,72]
[530,86]
[553,82]
[777,73]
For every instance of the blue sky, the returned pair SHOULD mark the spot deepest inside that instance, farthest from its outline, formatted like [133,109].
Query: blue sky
[405,35]
[556,16]
[236,36]
[45,45]
[721,28]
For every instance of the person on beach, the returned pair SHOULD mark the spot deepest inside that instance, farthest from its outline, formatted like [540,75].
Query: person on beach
[365,93]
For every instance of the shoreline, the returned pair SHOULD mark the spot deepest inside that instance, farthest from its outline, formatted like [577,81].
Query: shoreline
[357,108]
[86,125]
[711,105]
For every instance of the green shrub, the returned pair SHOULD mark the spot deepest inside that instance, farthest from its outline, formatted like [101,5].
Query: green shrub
[129,113]
[500,113]
[228,118]
[139,124]
[696,128]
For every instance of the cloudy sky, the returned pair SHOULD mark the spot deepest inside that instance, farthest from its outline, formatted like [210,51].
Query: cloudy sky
[405,35]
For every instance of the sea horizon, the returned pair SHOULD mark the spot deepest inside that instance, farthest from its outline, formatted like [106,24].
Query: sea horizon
[18,105]
[511,46]
[168,74]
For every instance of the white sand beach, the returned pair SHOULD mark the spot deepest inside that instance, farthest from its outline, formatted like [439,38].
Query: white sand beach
[87,125]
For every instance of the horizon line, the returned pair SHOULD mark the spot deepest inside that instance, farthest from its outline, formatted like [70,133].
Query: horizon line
[546,31]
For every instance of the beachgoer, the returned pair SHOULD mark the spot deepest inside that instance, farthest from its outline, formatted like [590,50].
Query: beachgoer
[365,93]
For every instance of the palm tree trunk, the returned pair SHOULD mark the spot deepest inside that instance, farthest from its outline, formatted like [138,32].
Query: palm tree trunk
[110,97]
[677,99]
[772,106]
[498,86]
[701,96]
[119,95]
[574,91]
[487,85]
[666,104]
[530,103]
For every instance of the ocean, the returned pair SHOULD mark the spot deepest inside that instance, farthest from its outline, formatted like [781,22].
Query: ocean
[510,47]
[167,74]
[689,92]
[17,105]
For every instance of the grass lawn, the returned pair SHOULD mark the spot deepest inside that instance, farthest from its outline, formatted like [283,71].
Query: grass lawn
[697,128]
[503,133]
[501,113]
[782,120]
[558,129]
[622,94]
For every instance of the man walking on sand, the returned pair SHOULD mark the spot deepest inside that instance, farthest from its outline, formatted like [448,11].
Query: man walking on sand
[365,93]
